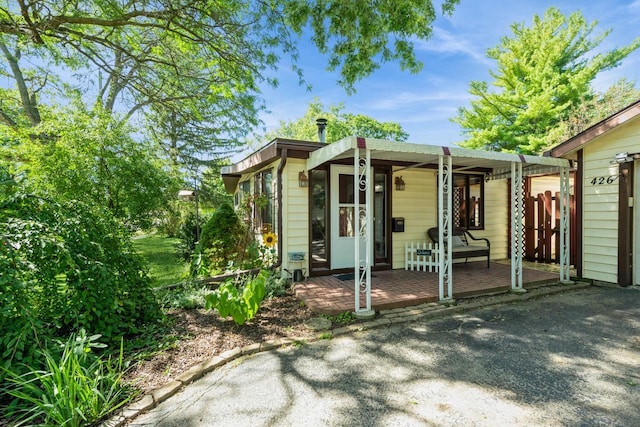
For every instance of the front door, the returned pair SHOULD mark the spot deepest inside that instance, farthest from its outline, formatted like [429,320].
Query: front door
[343,232]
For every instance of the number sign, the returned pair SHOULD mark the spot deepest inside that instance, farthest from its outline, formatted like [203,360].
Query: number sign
[600,180]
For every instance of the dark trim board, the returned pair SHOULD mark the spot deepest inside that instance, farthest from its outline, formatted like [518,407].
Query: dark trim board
[625,225]
[578,186]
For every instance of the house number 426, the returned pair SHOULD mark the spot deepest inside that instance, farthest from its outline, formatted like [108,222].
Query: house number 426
[600,180]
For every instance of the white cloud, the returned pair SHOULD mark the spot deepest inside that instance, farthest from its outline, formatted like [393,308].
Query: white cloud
[446,42]
[411,99]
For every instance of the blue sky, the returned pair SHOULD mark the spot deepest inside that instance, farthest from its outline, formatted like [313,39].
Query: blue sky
[455,56]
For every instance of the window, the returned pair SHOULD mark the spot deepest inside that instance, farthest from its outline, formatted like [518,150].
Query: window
[319,214]
[346,190]
[244,190]
[265,205]
[346,207]
[468,201]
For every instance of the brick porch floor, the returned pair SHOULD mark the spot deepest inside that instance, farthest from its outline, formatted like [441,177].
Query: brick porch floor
[401,288]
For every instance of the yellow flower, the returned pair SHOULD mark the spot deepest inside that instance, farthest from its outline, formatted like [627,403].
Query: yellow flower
[269,239]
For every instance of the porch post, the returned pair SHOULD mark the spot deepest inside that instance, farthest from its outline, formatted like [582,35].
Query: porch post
[444,228]
[517,236]
[363,227]
[564,227]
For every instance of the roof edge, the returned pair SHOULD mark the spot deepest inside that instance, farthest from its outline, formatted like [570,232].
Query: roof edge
[596,130]
[269,153]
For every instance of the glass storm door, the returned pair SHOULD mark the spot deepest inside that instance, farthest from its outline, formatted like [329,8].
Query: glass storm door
[380,223]
[343,232]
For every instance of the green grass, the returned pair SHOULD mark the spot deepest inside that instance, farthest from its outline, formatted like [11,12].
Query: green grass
[165,266]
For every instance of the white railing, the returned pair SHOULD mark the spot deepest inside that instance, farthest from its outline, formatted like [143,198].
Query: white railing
[421,256]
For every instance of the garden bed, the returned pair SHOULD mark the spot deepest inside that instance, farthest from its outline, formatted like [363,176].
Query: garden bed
[203,334]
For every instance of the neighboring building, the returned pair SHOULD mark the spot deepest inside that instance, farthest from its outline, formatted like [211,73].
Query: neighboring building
[404,192]
[607,183]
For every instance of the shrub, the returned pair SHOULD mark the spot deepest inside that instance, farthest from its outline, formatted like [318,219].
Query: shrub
[188,235]
[219,242]
[66,266]
[169,220]
[275,285]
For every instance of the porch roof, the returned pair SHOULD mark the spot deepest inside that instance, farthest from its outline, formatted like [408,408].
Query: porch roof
[422,154]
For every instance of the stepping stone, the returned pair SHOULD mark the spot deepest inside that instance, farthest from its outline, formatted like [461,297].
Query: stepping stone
[318,324]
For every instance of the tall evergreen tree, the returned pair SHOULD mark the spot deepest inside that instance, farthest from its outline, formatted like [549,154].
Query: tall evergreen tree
[543,72]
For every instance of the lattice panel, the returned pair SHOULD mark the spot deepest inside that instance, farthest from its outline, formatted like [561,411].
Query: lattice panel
[457,202]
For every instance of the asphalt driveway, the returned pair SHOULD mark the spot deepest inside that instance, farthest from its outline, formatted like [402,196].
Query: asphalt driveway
[568,359]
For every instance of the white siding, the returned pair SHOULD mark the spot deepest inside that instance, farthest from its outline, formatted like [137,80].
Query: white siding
[496,218]
[600,203]
[540,184]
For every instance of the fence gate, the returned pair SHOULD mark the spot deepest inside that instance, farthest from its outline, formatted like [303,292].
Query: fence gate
[542,228]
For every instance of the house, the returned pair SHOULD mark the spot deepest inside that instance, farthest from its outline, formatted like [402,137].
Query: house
[607,183]
[366,199]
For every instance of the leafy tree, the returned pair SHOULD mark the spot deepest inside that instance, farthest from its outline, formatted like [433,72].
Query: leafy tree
[188,71]
[94,159]
[212,192]
[7,181]
[198,132]
[219,242]
[598,107]
[339,125]
[543,73]
[193,60]
[236,39]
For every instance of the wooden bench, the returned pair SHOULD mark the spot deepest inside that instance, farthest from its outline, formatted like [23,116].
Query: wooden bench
[464,244]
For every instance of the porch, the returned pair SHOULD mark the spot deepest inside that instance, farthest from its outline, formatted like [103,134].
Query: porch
[402,288]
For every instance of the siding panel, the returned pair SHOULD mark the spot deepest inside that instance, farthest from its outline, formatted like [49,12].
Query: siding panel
[295,215]
[418,205]
[600,206]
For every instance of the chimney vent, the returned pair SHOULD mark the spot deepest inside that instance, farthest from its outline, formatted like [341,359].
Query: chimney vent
[322,124]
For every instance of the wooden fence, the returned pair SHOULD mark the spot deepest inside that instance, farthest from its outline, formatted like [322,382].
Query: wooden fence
[542,226]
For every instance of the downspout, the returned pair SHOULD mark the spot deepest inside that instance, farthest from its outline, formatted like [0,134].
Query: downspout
[283,162]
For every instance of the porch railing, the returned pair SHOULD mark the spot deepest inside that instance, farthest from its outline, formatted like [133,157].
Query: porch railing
[421,256]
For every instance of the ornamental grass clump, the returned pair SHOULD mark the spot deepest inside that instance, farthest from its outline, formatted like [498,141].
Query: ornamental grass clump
[74,388]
